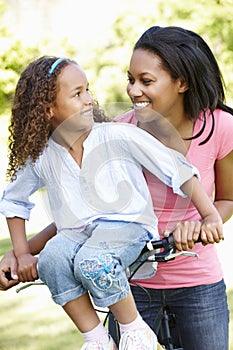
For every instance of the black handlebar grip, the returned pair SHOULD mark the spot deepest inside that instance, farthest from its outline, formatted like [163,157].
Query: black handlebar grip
[8,276]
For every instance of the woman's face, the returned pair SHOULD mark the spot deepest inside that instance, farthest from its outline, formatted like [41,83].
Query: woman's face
[74,104]
[152,89]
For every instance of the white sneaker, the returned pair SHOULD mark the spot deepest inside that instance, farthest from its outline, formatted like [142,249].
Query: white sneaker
[140,339]
[94,345]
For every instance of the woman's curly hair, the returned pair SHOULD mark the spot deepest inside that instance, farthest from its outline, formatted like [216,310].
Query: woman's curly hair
[30,127]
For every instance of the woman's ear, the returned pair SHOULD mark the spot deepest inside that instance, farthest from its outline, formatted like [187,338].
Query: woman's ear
[183,86]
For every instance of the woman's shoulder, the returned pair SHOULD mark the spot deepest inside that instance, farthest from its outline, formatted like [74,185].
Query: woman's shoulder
[223,130]
[223,122]
[223,119]
[127,117]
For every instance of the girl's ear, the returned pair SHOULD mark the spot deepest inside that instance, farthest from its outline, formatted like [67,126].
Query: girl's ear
[183,86]
[49,113]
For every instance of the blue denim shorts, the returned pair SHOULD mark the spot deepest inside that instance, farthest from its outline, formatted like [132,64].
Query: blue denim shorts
[94,261]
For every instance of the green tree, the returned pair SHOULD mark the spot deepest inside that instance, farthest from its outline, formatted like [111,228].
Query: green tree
[12,61]
[212,20]
[15,55]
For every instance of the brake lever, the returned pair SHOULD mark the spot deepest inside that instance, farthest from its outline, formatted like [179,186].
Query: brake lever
[169,251]
[172,256]
[29,284]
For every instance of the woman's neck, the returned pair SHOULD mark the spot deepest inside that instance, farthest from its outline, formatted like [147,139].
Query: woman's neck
[172,133]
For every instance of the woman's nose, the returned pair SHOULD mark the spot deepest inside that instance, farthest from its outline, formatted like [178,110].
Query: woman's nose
[134,90]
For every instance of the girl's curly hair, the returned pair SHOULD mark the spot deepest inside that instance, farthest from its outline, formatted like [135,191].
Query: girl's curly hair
[30,127]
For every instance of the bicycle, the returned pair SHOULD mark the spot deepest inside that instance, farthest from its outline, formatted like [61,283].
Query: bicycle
[164,320]
[157,251]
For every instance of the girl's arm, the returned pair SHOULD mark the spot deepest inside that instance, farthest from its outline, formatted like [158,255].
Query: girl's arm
[211,227]
[26,262]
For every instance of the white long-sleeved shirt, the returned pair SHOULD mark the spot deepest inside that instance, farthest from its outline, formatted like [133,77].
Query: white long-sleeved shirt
[109,184]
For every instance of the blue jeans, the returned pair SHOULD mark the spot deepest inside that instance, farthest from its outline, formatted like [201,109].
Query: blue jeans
[93,260]
[201,314]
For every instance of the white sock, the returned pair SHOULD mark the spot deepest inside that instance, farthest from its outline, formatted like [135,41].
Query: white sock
[98,334]
[138,323]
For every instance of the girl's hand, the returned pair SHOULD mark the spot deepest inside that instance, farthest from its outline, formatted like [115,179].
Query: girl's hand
[185,234]
[27,267]
[211,229]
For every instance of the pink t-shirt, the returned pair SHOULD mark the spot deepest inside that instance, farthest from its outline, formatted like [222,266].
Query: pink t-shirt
[170,208]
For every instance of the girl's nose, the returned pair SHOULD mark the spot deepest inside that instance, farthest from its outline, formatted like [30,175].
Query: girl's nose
[89,99]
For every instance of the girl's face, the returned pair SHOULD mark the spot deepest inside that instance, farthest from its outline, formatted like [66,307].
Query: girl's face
[74,104]
[152,89]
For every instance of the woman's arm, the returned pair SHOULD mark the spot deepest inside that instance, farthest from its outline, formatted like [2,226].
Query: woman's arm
[8,264]
[224,186]
[186,233]
[37,242]
[9,261]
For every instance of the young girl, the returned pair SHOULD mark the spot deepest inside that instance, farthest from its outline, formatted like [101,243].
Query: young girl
[98,197]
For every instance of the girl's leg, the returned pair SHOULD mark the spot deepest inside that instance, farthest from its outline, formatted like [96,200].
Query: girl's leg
[82,313]
[68,292]
[148,305]
[100,266]
[125,310]
[85,318]
[135,333]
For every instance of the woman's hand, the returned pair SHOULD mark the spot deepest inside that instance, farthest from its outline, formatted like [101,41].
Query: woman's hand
[185,234]
[208,231]
[9,265]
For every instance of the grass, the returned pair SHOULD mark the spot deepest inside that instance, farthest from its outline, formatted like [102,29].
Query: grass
[30,320]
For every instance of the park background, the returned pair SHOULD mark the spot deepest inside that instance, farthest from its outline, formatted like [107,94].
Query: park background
[99,35]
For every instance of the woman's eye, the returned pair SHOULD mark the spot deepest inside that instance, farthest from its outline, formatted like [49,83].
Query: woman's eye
[146,81]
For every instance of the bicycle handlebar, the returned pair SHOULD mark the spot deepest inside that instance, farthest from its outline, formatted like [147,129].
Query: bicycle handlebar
[167,251]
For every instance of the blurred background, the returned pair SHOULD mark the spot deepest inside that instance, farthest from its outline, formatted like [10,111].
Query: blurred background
[100,36]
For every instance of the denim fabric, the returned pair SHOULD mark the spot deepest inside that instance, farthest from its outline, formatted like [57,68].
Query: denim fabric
[96,262]
[201,314]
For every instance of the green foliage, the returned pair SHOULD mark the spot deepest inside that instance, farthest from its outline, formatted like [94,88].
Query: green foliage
[12,61]
[108,60]
[212,20]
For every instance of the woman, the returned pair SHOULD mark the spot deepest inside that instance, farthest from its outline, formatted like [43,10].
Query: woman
[172,71]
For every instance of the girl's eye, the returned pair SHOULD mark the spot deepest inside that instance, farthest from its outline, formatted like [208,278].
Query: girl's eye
[77,93]
[130,80]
